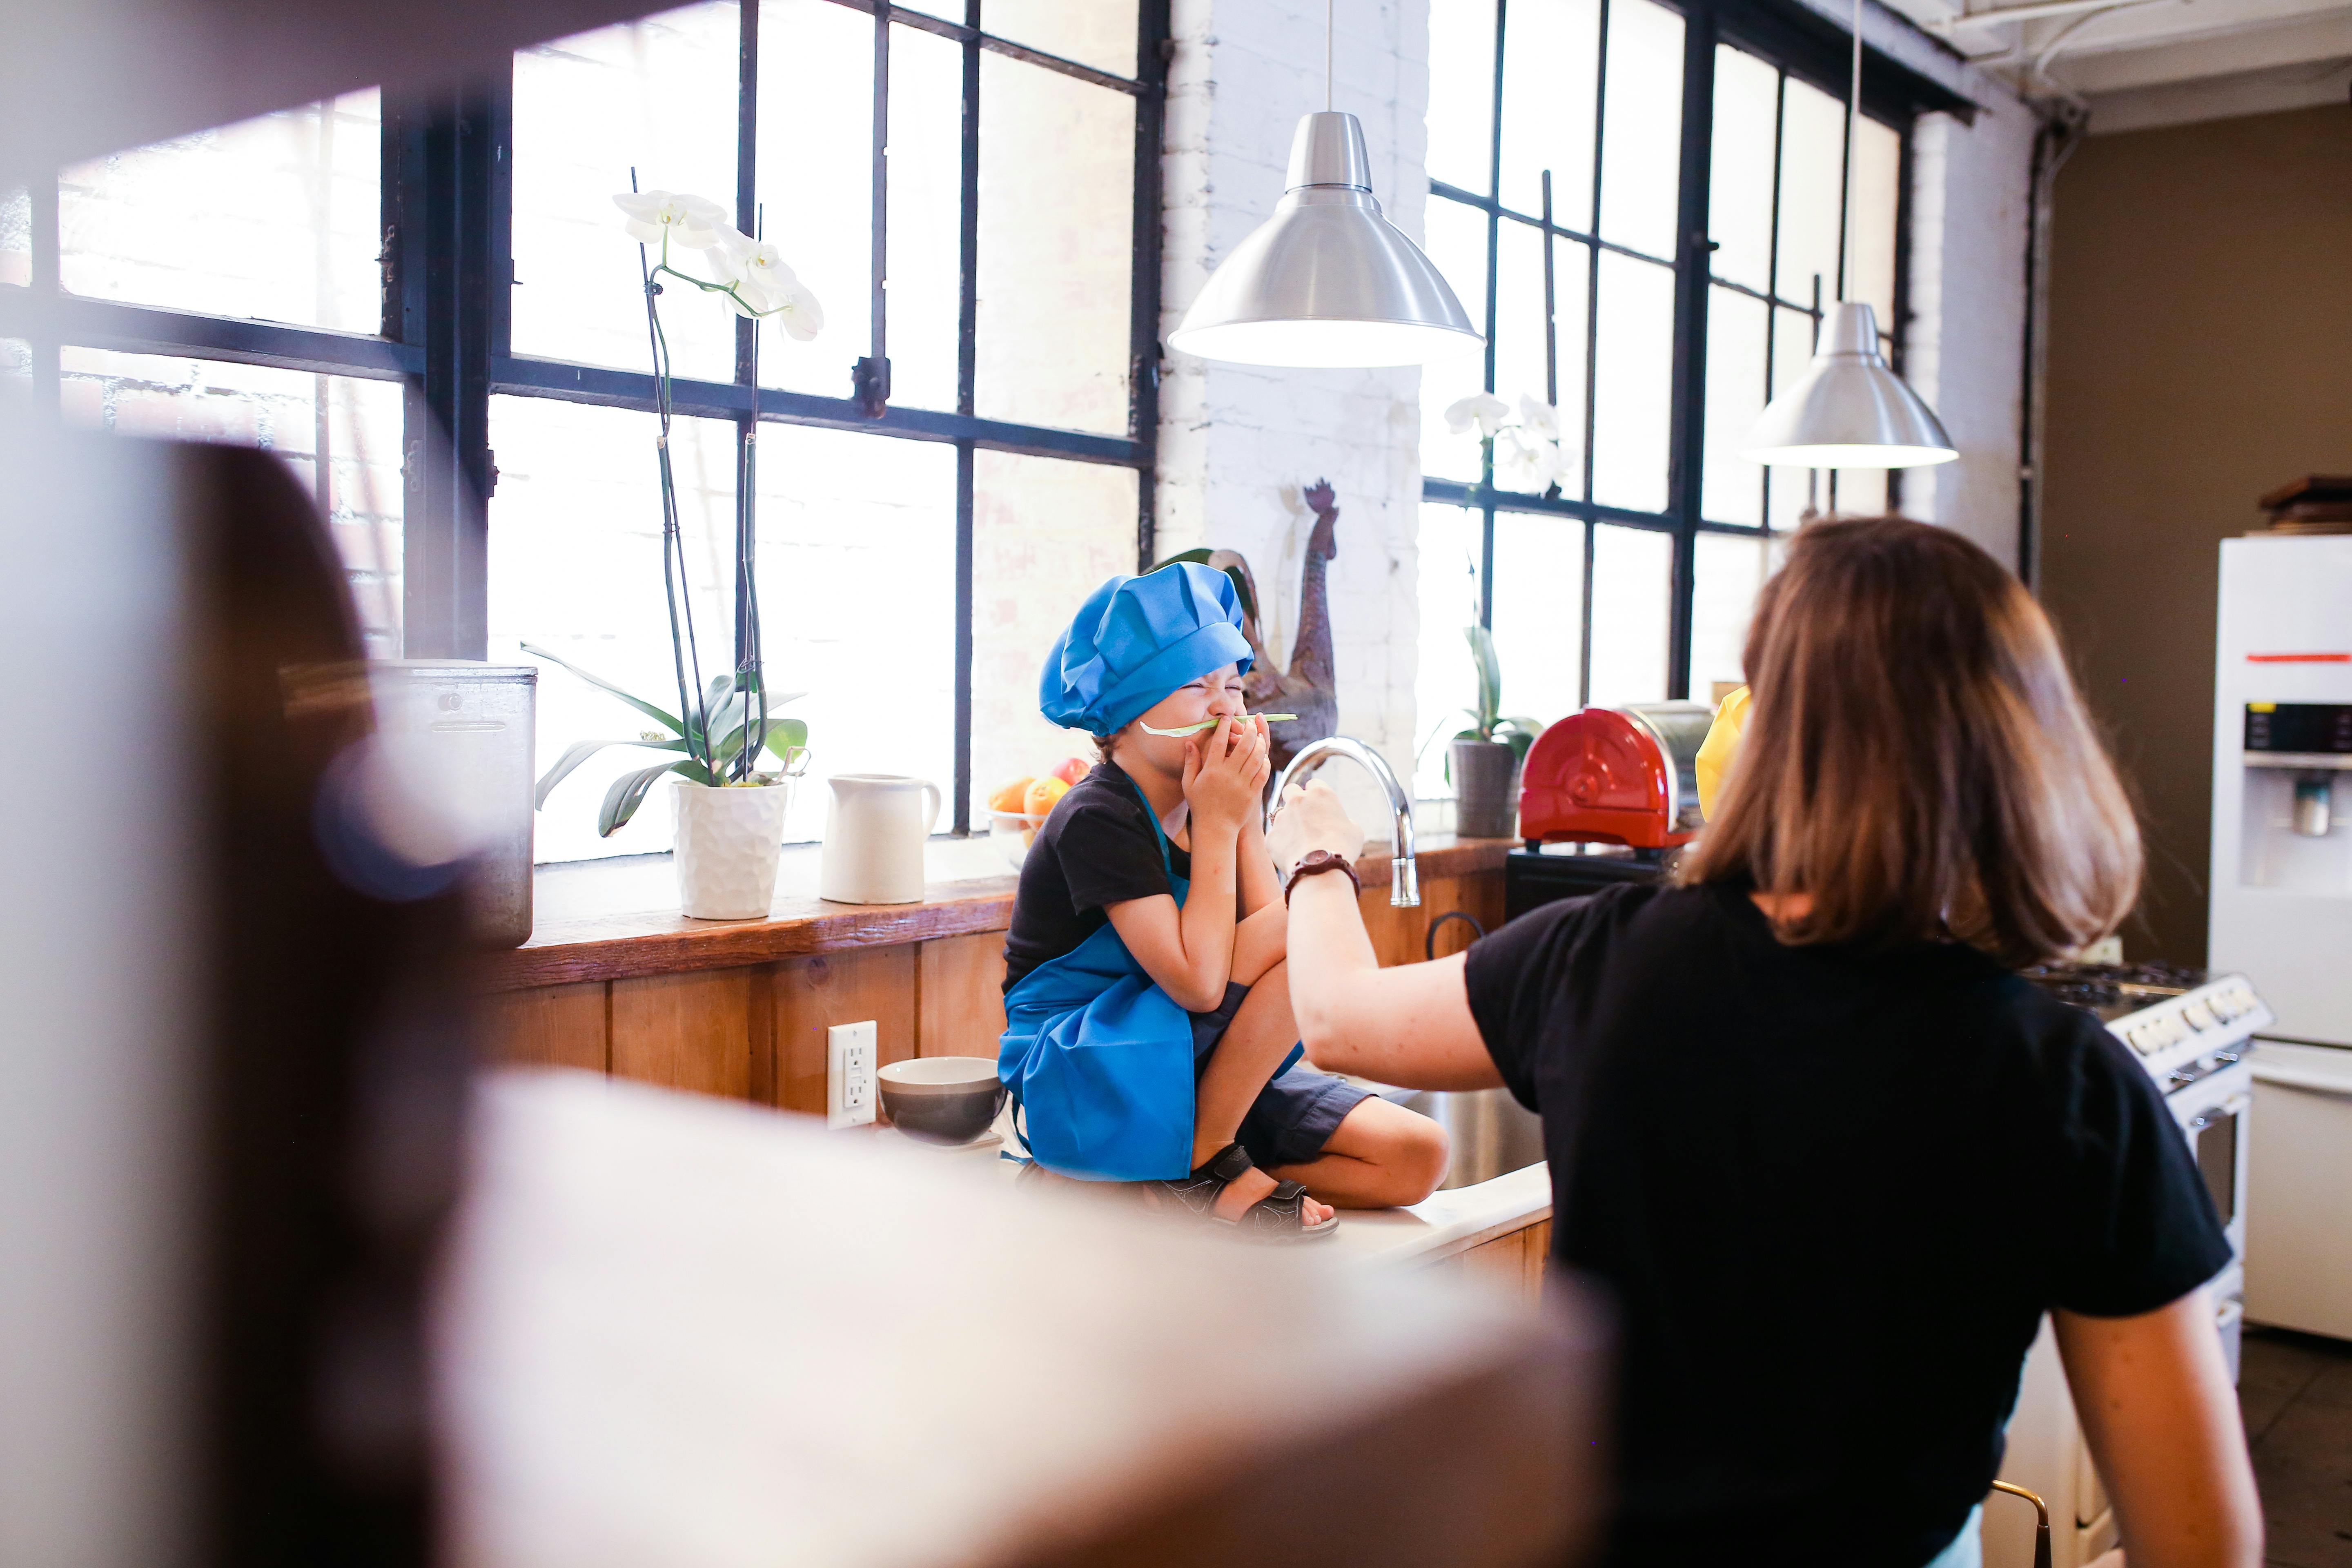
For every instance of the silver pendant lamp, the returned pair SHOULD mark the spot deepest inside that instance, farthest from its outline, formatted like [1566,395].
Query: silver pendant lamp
[1849,410]
[1326,281]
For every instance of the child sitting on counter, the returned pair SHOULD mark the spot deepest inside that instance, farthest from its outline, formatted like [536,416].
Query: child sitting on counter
[1149,1035]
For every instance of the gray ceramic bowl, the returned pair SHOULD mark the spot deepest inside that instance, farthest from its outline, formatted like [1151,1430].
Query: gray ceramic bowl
[941,1099]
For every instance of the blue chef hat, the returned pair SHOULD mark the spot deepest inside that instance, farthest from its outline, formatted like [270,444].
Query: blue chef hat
[1135,640]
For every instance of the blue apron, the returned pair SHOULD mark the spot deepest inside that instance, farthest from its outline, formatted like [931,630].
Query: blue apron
[1100,1060]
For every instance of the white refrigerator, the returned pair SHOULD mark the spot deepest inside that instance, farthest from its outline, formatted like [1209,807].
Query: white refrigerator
[2280,907]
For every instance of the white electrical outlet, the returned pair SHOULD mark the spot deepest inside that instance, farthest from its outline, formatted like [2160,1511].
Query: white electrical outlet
[849,1091]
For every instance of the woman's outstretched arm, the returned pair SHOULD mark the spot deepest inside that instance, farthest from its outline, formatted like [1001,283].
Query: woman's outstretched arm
[2155,1400]
[1410,1025]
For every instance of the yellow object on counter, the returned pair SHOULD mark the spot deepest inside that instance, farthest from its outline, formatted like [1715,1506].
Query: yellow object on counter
[1721,745]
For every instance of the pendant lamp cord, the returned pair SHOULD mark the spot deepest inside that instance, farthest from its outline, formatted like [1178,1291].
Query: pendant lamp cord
[1326,54]
[1846,280]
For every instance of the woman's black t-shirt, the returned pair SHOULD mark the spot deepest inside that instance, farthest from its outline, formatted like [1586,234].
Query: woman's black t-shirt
[1834,1192]
[1097,850]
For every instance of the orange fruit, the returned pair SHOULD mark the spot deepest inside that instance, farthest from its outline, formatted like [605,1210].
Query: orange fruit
[1042,794]
[1008,797]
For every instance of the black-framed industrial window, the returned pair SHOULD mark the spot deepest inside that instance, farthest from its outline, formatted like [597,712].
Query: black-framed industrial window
[1630,194]
[951,373]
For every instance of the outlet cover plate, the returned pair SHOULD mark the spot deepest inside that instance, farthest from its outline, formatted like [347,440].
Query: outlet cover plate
[849,1083]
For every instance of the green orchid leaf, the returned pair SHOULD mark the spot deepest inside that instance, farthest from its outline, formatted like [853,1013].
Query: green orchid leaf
[1490,677]
[580,754]
[639,703]
[629,793]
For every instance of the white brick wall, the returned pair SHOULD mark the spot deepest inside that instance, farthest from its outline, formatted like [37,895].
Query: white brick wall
[1966,347]
[1237,443]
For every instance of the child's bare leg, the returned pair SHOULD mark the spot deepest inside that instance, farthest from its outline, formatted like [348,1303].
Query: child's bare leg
[1380,1156]
[1254,1044]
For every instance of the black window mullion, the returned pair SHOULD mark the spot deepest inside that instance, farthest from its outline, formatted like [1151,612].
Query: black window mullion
[446,233]
[1898,329]
[1772,270]
[1686,463]
[1494,315]
[747,343]
[1152,46]
[967,386]
[1592,350]
[872,375]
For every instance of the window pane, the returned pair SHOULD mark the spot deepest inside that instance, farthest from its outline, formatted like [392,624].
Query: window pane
[1045,535]
[1861,492]
[847,527]
[926,224]
[1445,685]
[1877,183]
[1790,489]
[816,77]
[1729,570]
[341,435]
[16,364]
[1634,373]
[1539,612]
[1739,190]
[1057,203]
[658,96]
[575,566]
[1633,573]
[1734,489]
[276,218]
[1098,33]
[16,236]
[1549,52]
[1812,153]
[1572,278]
[1520,323]
[1640,157]
[1457,243]
[1462,96]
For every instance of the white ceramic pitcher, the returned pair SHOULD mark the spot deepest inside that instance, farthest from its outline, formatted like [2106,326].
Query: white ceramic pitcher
[875,825]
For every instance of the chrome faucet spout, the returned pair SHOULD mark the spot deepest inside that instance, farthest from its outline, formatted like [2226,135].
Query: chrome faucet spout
[1404,878]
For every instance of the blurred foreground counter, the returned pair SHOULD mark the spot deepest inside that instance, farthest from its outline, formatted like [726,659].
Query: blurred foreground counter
[679,1330]
[616,979]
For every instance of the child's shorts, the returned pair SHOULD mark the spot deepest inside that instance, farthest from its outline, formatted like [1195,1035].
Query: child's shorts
[1294,1115]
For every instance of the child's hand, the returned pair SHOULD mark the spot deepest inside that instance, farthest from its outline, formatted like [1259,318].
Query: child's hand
[1225,772]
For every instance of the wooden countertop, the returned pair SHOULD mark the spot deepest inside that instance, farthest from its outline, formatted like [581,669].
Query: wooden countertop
[606,925]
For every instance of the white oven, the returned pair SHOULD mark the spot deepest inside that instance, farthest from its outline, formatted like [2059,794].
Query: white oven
[2193,1034]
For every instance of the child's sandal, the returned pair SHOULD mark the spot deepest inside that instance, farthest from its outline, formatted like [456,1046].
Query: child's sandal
[1278,1217]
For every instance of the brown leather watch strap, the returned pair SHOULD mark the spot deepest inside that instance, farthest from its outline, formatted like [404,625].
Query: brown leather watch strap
[1318,861]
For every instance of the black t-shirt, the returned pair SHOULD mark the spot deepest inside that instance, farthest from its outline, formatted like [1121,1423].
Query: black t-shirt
[1094,850]
[1832,1193]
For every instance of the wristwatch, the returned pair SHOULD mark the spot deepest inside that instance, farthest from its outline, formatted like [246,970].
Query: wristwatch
[1318,861]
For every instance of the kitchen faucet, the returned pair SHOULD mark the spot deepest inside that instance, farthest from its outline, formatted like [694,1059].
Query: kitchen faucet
[1404,878]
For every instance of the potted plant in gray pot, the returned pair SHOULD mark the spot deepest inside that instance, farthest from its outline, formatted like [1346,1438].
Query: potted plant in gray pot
[1482,763]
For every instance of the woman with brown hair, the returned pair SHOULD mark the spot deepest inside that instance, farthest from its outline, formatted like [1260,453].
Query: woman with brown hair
[1832,1155]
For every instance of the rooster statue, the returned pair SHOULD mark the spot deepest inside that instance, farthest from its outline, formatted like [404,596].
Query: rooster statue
[1305,688]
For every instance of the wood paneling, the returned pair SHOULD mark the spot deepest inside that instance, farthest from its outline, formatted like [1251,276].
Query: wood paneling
[1401,936]
[1513,1261]
[555,1025]
[696,1031]
[811,995]
[962,996]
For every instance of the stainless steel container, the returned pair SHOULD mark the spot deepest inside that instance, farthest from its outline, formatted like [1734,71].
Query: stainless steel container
[474,725]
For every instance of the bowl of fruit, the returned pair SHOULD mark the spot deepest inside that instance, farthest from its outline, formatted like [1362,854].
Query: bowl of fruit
[1018,808]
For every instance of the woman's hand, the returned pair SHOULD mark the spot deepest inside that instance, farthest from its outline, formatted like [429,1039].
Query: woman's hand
[1225,772]
[1308,819]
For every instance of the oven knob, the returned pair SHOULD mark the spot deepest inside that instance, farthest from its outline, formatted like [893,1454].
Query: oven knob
[2197,1016]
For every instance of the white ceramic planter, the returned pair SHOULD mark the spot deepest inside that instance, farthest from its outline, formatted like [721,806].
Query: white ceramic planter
[728,841]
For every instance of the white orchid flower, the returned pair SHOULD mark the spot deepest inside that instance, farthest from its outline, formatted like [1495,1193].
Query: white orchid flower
[799,312]
[694,222]
[1483,409]
[755,270]
[1539,419]
[1525,462]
